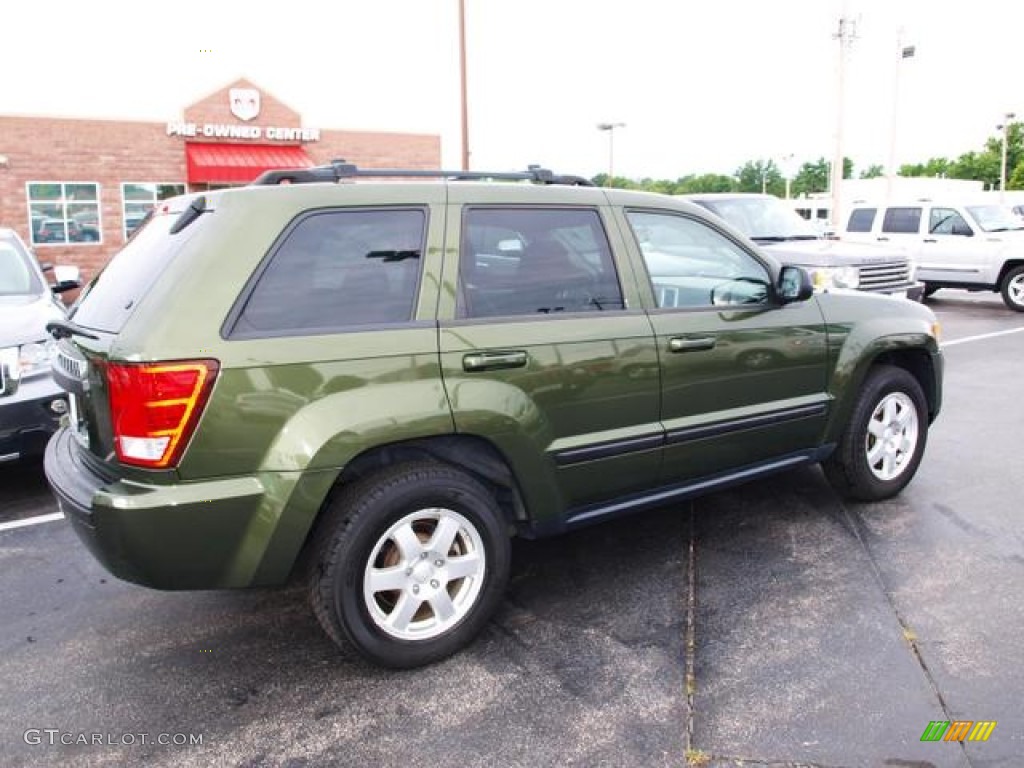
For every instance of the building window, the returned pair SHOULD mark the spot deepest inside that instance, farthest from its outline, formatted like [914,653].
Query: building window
[64,212]
[138,199]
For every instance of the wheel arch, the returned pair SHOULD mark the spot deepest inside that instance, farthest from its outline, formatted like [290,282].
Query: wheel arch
[473,454]
[1008,265]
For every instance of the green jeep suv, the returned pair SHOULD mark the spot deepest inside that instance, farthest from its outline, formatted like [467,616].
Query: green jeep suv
[375,384]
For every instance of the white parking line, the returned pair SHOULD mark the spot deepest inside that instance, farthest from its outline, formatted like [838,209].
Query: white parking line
[31,521]
[981,337]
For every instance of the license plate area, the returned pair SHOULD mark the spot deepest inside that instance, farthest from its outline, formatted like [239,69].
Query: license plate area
[76,422]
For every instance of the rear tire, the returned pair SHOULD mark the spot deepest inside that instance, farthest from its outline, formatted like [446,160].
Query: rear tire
[412,563]
[882,445]
[1012,289]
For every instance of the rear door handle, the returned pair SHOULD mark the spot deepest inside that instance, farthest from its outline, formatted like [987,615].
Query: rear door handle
[490,361]
[882,239]
[930,240]
[690,344]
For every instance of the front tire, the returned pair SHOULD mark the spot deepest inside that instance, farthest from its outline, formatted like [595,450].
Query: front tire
[413,562]
[1012,289]
[882,445]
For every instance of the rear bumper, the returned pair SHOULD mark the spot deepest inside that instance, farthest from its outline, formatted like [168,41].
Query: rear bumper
[28,418]
[199,535]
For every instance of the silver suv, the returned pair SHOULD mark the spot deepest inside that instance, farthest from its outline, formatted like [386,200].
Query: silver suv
[792,240]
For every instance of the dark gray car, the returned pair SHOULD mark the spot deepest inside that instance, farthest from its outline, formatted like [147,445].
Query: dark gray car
[833,264]
[30,402]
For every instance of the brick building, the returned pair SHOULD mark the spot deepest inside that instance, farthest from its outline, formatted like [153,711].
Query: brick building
[76,188]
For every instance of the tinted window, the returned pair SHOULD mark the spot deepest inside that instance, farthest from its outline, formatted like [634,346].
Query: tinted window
[861,220]
[692,265]
[110,299]
[902,220]
[529,261]
[336,269]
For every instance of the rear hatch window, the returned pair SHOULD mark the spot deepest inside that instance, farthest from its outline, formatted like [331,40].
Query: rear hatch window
[112,296]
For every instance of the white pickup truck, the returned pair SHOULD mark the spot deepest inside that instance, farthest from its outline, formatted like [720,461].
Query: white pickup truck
[954,245]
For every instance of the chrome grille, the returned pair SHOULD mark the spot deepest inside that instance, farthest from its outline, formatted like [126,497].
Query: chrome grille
[72,366]
[879,277]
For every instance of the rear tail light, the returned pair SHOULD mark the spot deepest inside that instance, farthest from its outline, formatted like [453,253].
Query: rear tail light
[155,408]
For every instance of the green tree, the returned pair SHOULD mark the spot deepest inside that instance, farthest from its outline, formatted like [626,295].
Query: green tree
[814,177]
[760,176]
[708,182]
[872,172]
[936,167]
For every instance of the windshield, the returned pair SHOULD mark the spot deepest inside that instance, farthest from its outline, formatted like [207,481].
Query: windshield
[17,277]
[995,218]
[761,218]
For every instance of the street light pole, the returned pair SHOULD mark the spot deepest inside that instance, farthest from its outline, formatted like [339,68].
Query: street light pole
[610,128]
[1005,128]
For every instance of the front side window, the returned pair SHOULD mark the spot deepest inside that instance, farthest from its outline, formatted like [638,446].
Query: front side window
[902,221]
[946,221]
[138,199]
[336,269]
[861,220]
[692,265]
[64,212]
[530,261]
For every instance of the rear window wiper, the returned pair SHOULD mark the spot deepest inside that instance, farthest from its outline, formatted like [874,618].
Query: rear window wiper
[65,329]
[393,255]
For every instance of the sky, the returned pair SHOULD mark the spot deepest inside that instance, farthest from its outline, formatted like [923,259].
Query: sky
[701,87]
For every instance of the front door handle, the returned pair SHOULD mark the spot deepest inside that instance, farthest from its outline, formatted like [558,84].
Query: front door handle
[930,240]
[882,239]
[690,344]
[490,361]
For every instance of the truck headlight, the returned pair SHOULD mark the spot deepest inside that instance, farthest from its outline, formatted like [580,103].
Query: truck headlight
[827,278]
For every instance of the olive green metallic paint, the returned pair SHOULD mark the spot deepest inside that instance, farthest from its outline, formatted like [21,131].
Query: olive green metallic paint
[288,414]
[860,331]
[587,379]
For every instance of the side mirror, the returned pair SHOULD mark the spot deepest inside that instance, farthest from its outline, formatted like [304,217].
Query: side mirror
[794,285]
[66,279]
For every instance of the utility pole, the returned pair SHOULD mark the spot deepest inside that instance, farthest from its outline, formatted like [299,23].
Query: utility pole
[462,84]
[846,34]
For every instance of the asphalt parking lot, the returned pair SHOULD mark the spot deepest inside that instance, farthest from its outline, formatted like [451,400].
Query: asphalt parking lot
[771,625]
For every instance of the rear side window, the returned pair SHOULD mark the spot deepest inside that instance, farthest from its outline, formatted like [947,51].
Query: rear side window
[337,269]
[902,221]
[861,220]
[540,261]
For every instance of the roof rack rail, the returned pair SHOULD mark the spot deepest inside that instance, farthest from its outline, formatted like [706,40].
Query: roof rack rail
[339,170]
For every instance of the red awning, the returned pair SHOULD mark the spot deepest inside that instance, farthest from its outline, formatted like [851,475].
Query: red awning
[239,163]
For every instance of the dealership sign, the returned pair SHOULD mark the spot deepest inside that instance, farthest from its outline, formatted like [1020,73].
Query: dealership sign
[245,105]
[228,131]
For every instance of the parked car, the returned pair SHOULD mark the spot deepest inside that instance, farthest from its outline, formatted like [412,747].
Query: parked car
[791,239]
[375,386]
[955,244]
[30,402]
